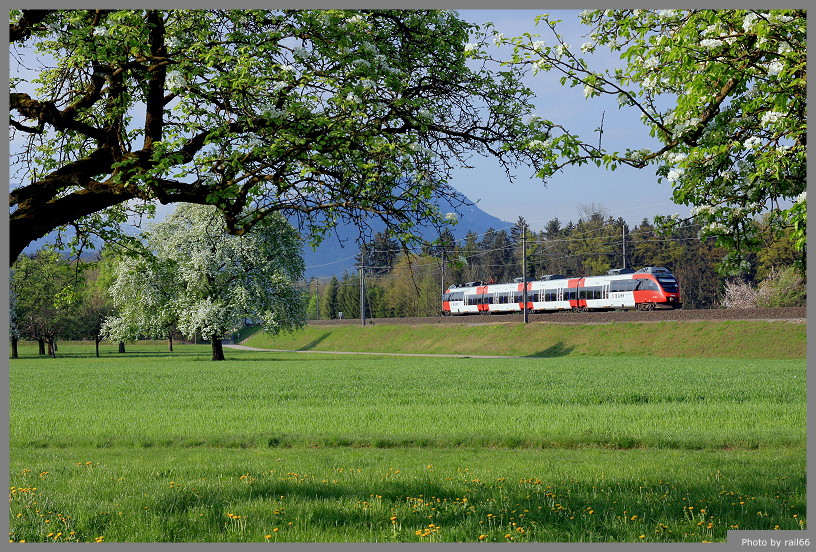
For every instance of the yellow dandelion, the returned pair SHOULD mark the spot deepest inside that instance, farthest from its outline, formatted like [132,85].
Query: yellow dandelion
[642,537]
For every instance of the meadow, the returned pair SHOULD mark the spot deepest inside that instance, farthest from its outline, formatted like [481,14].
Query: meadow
[151,446]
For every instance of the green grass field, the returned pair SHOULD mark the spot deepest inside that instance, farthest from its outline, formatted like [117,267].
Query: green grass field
[489,336]
[152,446]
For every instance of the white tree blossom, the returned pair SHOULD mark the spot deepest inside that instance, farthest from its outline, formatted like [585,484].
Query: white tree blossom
[208,282]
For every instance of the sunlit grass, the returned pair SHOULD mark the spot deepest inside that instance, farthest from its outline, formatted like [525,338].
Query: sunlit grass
[267,399]
[151,446]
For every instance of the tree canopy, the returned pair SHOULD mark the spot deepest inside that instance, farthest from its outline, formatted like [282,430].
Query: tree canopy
[723,92]
[323,115]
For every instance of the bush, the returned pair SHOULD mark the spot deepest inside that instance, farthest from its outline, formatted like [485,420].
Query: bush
[782,288]
[739,295]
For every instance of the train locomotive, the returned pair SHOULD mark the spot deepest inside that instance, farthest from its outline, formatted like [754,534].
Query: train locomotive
[649,288]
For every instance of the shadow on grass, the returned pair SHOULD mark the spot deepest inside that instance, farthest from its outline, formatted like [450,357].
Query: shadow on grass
[108,355]
[315,342]
[557,350]
[554,510]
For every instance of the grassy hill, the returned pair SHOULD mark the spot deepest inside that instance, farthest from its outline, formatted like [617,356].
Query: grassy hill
[698,339]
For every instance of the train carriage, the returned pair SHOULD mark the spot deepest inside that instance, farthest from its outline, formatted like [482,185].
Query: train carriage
[646,289]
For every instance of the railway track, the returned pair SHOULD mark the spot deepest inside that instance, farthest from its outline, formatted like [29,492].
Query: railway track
[790,314]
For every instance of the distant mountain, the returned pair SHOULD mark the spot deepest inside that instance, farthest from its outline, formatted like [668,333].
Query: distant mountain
[336,254]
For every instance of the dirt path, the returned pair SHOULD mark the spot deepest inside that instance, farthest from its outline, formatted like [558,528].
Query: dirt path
[245,348]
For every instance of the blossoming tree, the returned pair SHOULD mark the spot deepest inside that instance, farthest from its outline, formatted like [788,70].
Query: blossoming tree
[322,115]
[205,281]
[143,290]
[722,91]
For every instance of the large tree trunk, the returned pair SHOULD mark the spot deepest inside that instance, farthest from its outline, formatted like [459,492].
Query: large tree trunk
[41,346]
[217,349]
[14,347]
[52,348]
[97,339]
[170,340]
[121,346]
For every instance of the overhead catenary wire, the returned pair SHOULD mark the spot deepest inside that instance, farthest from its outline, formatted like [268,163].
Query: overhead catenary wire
[537,241]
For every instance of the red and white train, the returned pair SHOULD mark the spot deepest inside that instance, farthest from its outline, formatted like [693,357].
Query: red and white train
[646,289]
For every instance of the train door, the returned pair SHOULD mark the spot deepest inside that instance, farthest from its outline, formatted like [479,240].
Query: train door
[573,292]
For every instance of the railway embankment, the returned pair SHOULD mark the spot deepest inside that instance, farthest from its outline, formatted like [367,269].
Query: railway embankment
[763,337]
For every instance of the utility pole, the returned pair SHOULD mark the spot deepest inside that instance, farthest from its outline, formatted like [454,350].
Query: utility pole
[362,296]
[623,239]
[524,272]
[443,271]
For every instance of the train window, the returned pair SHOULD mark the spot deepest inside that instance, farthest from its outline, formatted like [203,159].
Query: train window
[590,293]
[550,295]
[649,285]
[669,283]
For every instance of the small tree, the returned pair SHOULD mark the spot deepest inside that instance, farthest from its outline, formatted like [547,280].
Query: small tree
[330,302]
[46,289]
[95,306]
[143,291]
[14,331]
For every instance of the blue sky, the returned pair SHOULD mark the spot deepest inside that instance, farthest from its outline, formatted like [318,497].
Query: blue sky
[633,194]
